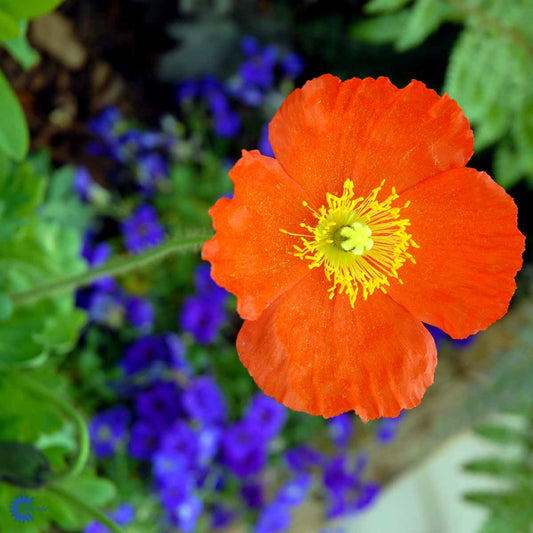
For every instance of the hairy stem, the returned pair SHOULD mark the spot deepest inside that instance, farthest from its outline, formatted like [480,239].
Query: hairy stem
[113,268]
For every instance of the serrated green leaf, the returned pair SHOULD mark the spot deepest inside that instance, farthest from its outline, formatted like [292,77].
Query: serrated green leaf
[9,28]
[502,468]
[424,18]
[512,506]
[501,434]
[21,191]
[28,9]
[380,30]
[14,134]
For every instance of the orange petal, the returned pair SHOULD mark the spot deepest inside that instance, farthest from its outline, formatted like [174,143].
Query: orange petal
[470,251]
[250,257]
[367,130]
[321,356]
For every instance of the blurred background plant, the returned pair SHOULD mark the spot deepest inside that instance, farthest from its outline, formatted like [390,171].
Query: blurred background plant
[124,401]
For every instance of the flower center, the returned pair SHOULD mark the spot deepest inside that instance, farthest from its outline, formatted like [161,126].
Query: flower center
[359,242]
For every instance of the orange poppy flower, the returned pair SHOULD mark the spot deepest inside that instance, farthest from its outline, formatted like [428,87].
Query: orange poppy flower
[366,224]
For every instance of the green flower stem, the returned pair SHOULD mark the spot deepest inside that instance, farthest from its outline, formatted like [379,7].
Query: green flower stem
[36,389]
[113,268]
[70,497]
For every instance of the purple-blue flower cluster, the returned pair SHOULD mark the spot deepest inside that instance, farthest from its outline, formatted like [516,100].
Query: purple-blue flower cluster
[251,85]
[204,314]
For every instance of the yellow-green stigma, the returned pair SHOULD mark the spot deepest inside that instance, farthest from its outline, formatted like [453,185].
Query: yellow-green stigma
[360,242]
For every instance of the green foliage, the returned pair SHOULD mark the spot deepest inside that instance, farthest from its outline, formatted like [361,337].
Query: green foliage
[20,48]
[9,28]
[23,465]
[33,250]
[489,71]
[28,9]
[14,135]
[14,16]
[510,508]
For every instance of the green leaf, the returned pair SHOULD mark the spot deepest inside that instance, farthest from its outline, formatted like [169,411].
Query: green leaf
[95,490]
[513,508]
[9,29]
[14,134]
[501,434]
[425,17]
[28,9]
[21,50]
[20,193]
[32,251]
[23,465]
[62,205]
[497,467]
[380,30]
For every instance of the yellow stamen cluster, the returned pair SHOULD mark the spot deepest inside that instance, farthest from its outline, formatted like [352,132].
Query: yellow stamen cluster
[360,242]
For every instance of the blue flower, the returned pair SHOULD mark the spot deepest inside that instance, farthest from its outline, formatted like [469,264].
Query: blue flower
[107,430]
[150,169]
[265,417]
[273,518]
[208,444]
[128,145]
[204,401]
[341,472]
[387,428]
[179,446]
[264,143]
[247,94]
[347,493]
[186,91]
[243,453]
[252,493]
[202,317]
[341,429]
[206,286]
[249,46]
[139,313]
[292,65]
[82,183]
[226,123]
[463,343]
[144,440]
[303,459]
[168,466]
[106,307]
[185,516]
[105,124]
[96,254]
[176,490]
[159,405]
[258,69]
[295,491]
[142,229]
[146,352]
